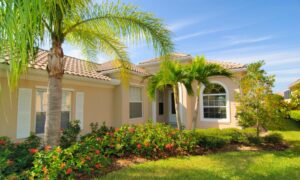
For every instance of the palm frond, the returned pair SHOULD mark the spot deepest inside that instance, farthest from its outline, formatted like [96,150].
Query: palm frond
[126,21]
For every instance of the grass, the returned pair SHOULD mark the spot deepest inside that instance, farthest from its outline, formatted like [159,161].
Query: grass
[231,165]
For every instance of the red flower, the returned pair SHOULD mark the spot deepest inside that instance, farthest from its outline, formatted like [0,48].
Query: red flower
[99,139]
[169,146]
[98,166]
[97,152]
[33,150]
[47,148]
[9,162]
[139,146]
[69,171]
[62,165]
[117,129]
[131,130]
[2,142]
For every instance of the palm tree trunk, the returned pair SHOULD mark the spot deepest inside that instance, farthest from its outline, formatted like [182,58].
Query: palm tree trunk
[176,99]
[196,108]
[53,115]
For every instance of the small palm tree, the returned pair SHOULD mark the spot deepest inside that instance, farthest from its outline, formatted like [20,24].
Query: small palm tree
[106,27]
[171,74]
[200,70]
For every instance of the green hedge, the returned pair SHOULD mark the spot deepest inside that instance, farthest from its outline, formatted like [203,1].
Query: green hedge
[295,115]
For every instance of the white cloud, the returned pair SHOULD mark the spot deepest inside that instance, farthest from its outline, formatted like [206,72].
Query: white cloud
[235,40]
[181,24]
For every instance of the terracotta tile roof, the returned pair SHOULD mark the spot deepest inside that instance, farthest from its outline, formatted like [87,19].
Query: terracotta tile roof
[228,65]
[115,65]
[174,55]
[181,56]
[73,66]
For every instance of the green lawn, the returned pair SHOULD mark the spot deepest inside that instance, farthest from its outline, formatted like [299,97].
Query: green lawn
[230,165]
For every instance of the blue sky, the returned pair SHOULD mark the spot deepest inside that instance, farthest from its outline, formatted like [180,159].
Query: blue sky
[240,31]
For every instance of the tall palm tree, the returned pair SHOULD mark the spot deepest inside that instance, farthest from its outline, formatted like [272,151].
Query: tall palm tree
[200,70]
[104,27]
[171,73]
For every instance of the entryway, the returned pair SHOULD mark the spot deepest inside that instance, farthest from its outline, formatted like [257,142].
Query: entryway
[172,112]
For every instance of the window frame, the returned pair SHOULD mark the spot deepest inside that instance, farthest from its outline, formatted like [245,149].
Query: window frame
[44,88]
[142,101]
[221,120]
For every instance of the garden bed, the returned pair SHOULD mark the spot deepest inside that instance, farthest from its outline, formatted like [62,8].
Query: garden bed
[109,149]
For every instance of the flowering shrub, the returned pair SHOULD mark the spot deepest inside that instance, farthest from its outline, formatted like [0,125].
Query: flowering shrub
[79,159]
[17,157]
[96,150]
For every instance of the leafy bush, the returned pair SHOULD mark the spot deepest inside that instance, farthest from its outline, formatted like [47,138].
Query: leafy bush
[295,115]
[251,135]
[236,135]
[274,138]
[15,158]
[98,131]
[74,161]
[212,138]
[70,134]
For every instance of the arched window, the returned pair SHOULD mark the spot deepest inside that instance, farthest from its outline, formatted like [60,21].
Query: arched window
[215,102]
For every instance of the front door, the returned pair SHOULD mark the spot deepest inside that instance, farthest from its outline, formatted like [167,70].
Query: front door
[172,112]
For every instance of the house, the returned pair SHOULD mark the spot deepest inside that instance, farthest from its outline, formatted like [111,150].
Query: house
[293,87]
[95,93]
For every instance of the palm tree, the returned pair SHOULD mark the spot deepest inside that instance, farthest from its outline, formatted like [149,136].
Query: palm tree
[105,27]
[171,74]
[200,70]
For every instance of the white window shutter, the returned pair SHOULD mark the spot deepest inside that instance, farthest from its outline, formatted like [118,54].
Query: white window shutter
[24,113]
[80,108]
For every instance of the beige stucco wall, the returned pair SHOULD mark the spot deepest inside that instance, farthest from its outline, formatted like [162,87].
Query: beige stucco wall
[102,102]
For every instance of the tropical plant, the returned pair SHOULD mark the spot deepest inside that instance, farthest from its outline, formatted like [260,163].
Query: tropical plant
[171,73]
[105,27]
[256,89]
[200,70]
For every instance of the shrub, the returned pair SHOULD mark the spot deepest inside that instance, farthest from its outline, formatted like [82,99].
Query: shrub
[70,134]
[15,158]
[251,135]
[68,163]
[212,138]
[236,135]
[295,115]
[273,138]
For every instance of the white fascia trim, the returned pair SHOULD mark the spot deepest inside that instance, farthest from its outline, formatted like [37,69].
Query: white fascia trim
[158,62]
[238,70]
[118,70]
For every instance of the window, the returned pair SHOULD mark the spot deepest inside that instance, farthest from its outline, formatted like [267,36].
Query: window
[135,102]
[41,107]
[161,103]
[214,102]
